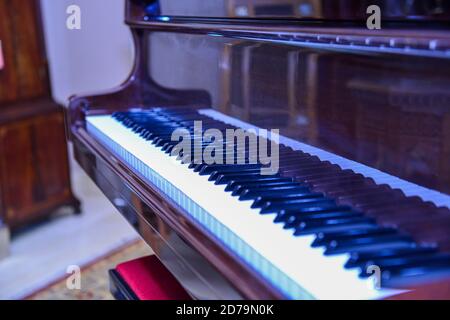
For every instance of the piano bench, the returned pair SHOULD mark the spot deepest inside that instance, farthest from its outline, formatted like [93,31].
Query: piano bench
[145,279]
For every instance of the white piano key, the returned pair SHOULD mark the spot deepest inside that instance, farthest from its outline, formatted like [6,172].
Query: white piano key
[287,262]
[409,188]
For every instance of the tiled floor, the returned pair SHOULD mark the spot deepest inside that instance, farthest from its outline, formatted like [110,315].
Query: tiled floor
[41,254]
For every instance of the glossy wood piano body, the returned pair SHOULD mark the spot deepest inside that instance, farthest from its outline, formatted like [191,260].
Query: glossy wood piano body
[377,97]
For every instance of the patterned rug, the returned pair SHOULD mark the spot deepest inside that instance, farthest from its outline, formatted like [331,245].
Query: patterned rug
[94,277]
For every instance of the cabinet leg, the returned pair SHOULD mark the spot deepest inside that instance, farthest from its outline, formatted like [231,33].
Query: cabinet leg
[76,205]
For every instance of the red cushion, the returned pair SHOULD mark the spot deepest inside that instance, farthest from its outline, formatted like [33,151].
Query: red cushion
[150,280]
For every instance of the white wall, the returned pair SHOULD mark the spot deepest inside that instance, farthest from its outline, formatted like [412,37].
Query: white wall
[95,58]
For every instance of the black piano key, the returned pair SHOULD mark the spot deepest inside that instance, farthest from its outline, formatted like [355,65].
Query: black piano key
[329,214]
[298,161]
[251,182]
[323,181]
[254,193]
[368,242]
[221,175]
[301,173]
[239,189]
[354,188]
[294,166]
[407,276]
[260,201]
[206,169]
[137,129]
[160,141]
[284,215]
[294,220]
[377,197]
[168,147]
[410,209]
[321,225]
[194,166]
[318,204]
[361,224]
[399,263]
[358,259]
[246,164]
[386,202]
[185,158]
[226,179]
[325,238]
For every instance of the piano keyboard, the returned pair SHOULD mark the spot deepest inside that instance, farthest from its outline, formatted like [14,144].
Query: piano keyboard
[408,188]
[314,230]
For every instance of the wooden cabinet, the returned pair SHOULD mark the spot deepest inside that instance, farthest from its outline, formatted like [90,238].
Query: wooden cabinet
[34,169]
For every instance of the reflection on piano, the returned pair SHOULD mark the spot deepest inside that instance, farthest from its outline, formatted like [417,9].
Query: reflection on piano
[2,63]
[360,206]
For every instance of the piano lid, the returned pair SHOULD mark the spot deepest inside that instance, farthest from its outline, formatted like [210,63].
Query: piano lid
[351,10]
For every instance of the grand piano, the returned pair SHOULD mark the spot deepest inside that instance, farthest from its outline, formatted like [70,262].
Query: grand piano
[360,205]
